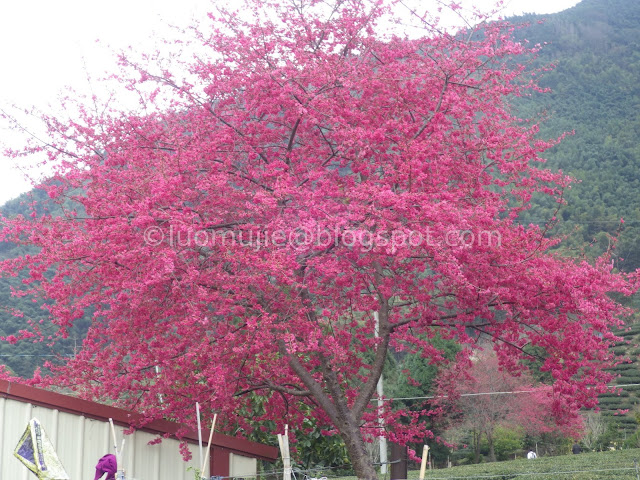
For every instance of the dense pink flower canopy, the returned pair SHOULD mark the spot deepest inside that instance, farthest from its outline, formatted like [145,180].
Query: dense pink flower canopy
[238,234]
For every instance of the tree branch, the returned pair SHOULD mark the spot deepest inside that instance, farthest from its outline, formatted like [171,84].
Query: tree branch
[384,331]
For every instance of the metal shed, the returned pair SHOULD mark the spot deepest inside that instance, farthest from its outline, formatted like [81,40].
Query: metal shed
[80,432]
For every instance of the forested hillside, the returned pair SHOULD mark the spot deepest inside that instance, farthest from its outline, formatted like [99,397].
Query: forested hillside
[22,358]
[595,50]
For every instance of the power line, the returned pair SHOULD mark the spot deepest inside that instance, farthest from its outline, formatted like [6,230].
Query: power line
[514,392]
[36,355]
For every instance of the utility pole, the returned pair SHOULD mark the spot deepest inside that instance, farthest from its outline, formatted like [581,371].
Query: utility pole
[382,439]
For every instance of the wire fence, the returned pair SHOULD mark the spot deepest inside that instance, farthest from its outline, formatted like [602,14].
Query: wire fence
[630,471]
[546,474]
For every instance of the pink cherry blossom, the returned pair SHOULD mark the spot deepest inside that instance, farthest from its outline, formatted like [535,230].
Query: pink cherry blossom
[238,234]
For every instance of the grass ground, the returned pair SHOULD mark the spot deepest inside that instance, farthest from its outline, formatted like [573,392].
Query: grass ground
[618,465]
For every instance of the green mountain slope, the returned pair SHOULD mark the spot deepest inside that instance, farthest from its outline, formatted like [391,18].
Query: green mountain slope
[595,91]
[25,356]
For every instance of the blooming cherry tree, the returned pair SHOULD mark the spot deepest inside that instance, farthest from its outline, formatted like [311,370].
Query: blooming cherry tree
[295,202]
[487,397]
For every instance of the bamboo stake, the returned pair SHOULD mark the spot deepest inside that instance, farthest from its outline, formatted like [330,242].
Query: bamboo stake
[423,465]
[283,440]
[113,435]
[213,426]
[120,473]
[199,435]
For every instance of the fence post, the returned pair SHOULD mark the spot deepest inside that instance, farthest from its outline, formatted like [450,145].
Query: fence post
[398,462]
[423,465]
[635,462]
[283,440]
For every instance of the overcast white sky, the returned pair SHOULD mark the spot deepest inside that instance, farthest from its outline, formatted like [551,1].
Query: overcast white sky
[45,45]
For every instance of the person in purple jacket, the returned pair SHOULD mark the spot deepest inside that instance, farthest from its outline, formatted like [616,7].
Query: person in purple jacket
[107,464]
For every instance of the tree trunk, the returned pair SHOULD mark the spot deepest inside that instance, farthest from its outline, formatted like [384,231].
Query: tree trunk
[476,447]
[331,398]
[362,466]
[492,452]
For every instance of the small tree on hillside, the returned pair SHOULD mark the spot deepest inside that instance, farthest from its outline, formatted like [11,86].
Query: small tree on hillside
[238,233]
[595,426]
[487,398]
